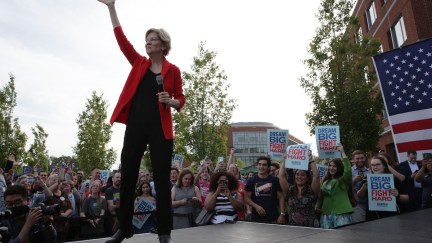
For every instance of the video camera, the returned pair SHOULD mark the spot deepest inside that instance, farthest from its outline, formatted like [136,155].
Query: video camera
[50,210]
[13,212]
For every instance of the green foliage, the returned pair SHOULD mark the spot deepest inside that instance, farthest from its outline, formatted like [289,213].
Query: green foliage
[94,135]
[38,153]
[337,81]
[12,139]
[240,163]
[202,125]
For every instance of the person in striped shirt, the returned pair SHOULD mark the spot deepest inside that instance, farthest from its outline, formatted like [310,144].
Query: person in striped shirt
[223,198]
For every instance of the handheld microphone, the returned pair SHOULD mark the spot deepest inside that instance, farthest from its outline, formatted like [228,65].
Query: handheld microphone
[159,81]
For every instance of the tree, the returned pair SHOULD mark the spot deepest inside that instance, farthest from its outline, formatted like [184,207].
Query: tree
[94,135]
[12,139]
[38,153]
[338,80]
[202,125]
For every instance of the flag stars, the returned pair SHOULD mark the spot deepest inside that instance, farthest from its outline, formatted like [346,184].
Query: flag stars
[416,88]
[396,57]
[426,74]
[418,69]
[415,58]
[398,68]
[420,50]
[421,81]
[399,98]
[394,76]
[424,93]
[401,80]
[385,61]
[392,94]
[429,86]
[406,72]
[408,54]
[404,91]
[391,64]
[395,105]
[411,96]
[408,84]
[407,103]
[387,71]
[403,61]
[410,65]
[397,87]
[413,77]
[419,101]
[390,82]
[423,62]
[429,54]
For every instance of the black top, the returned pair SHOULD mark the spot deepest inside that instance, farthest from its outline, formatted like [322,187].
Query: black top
[145,108]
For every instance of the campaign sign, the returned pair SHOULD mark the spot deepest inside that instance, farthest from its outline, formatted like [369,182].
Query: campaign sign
[177,161]
[104,175]
[277,141]
[322,170]
[142,205]
[297,157]
[27,170]
[379,192]
[327,139]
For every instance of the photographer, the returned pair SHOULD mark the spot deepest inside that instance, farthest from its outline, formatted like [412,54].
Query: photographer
[26,227]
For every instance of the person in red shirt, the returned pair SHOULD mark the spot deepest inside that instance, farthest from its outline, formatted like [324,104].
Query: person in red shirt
[145,106]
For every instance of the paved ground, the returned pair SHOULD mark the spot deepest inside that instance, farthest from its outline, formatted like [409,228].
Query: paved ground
[413,227]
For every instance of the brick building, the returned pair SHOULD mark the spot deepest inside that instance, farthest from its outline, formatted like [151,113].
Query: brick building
[250,140]
[395,23]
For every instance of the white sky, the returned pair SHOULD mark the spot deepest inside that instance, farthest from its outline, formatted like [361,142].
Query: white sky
[61,51]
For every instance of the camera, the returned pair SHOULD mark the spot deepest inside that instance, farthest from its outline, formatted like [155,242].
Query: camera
[50,210]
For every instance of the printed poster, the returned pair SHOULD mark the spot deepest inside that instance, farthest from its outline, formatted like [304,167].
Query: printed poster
[322,170]
[297,157]
[379,192]
[104,175]
[142,206]
[27,170]
[178,161]
[277,141]
[327,139]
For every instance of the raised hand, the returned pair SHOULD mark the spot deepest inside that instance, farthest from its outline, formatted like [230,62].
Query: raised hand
[107,2]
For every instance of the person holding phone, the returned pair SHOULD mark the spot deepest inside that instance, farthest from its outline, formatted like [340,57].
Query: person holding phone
[223,198]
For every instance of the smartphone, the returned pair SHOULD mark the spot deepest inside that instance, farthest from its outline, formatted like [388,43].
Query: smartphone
[9,165]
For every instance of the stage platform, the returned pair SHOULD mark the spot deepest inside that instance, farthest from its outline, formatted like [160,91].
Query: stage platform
[412,227]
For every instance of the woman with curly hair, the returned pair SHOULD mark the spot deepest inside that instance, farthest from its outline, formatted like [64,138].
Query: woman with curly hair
[223,198]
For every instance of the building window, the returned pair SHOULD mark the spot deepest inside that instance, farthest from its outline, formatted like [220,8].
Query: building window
[398,33]
[371,15]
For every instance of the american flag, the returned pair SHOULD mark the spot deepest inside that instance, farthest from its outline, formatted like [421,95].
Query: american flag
[405,77]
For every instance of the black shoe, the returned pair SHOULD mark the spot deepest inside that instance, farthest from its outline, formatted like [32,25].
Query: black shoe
[165,239]
[119,236]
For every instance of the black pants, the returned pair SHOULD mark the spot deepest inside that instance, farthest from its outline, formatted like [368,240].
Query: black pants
[137,136]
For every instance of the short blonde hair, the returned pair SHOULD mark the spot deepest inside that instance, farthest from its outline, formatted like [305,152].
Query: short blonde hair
[164,37]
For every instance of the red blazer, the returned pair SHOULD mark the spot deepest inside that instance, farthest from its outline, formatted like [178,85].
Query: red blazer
[173,84]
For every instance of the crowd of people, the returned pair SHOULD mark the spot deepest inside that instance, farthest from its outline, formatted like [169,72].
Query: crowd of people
[64,205]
